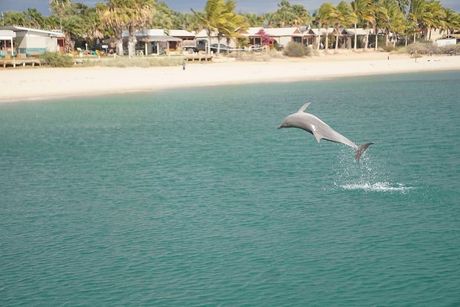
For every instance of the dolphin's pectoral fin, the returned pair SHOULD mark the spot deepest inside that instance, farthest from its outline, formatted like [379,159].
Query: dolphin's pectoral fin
[318,136]
[315,133]
[304,107]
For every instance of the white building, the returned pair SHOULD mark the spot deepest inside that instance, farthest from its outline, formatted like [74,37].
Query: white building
[6,42]
[153,41]
[33,41]
[445,42]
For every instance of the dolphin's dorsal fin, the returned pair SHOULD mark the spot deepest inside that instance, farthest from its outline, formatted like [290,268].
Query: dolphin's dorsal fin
[304,107]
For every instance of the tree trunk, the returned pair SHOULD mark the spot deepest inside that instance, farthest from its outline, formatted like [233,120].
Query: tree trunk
[209,42]
[327,40]
[366,43]
[120,47]
[132,43]
[406,39]
[376,39]
[336,40]
[218,44]
[386,39]
[429,35]
[68,43]
[415,34]
[356,38]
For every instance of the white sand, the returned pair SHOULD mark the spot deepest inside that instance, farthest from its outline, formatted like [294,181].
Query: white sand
[45,83]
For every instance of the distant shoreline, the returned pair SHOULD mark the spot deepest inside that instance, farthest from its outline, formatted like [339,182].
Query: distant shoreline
[54,83]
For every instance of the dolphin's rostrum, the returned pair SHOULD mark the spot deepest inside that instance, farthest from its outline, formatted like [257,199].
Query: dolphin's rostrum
[320,129]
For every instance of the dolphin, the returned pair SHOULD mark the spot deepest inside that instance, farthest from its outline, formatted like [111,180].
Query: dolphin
[320,129]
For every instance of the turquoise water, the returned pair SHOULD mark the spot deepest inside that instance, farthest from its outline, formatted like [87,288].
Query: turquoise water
[193,197]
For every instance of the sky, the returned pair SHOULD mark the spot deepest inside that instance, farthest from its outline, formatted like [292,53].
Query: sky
[246,6]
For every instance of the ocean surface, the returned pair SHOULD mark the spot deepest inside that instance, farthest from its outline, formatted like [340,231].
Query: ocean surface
[192,197]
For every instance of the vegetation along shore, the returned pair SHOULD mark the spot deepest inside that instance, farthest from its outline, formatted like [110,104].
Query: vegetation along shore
[383,36]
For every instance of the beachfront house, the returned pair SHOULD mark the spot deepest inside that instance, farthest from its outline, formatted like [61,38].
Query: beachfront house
[187,37]
[6,43]
[203,40]
[310,37]
[449,41]
[153,41]
[34,41]
[456,35]
[280,36]
[316,37]
[184,35]
[253,34]
[348,36]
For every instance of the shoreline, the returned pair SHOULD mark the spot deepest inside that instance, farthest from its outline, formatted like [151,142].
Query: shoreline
[38,84]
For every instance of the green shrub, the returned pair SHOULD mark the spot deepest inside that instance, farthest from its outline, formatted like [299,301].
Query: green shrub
[389,48]
[55,59]
[294,49]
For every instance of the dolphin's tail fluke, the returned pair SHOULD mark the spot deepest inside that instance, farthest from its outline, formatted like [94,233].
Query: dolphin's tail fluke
[361,149]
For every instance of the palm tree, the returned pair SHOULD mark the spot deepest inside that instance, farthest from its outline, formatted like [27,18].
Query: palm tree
[395,22]
[140,14]
[253,20]
[283,15]
[35,18]
[327,15]
[364,11]
[290,15]
[14,19]
[380,14]
[131,15]
[59,7]
[114,19]
[421,16]
[451,21]
[163,17]
[346,18]
[232,24]
[302,15]
[93,28]
[209,18]
[438,16]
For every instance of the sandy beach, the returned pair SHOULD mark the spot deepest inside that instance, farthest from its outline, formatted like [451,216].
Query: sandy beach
[29,84]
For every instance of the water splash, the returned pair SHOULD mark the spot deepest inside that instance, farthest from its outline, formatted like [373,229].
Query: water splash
[377,187]
[367,175]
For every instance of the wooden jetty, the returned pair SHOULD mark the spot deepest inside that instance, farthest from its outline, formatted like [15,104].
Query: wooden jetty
[19,62]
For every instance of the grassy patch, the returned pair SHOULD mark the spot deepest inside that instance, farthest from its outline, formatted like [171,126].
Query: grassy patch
[135,61]
[56,59]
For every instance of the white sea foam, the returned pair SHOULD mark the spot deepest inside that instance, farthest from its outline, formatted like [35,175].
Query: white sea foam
[377,187]
[368,175]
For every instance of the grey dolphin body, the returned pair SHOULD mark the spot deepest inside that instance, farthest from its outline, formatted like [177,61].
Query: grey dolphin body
[319,129]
